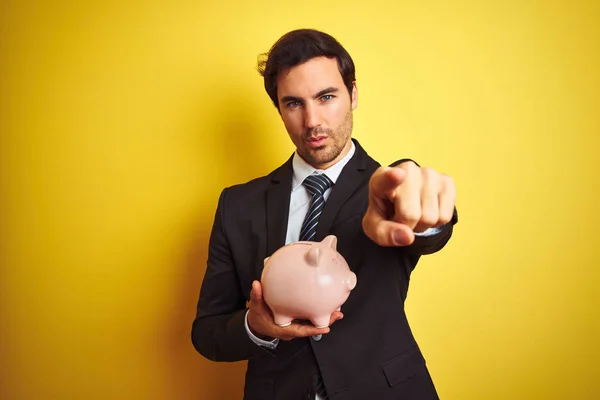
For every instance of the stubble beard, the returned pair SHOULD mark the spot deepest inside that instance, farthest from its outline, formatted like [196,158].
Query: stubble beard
[328,153]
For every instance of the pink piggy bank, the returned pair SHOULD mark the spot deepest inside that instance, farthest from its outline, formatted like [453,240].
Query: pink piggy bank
[306,280]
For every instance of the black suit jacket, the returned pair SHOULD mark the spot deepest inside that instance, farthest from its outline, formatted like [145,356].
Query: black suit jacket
[371,353]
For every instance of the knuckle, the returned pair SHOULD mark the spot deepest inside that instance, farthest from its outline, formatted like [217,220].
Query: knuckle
[409,165]
[428,173]
[295,331]
[449,183]
[445,217]
[429,219]
[380,234]
[443,220]
[410,215]
[254,304]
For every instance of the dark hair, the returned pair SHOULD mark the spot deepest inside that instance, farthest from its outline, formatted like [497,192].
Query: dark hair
[297,47]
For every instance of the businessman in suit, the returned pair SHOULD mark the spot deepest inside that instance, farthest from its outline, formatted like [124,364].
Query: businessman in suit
[384,217]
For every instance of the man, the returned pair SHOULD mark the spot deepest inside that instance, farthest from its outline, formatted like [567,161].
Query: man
[384,218]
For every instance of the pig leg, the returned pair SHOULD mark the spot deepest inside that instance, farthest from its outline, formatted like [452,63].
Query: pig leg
[282,320]
[321,322]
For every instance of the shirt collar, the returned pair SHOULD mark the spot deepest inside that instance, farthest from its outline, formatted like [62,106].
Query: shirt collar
[302,169]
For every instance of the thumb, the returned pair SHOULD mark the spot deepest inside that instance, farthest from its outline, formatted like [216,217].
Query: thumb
[388,233]
[256,293]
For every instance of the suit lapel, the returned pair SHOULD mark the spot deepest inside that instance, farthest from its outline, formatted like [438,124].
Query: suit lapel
[358,170]
[278,206]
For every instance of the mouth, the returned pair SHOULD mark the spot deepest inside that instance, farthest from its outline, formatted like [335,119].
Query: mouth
[316,141]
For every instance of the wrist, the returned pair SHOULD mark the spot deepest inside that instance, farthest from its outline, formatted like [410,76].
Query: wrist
[254,331]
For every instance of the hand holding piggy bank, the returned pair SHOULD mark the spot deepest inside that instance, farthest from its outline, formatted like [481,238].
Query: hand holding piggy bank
[307,281]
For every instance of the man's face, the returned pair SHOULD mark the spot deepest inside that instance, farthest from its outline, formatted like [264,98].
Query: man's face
[316,109]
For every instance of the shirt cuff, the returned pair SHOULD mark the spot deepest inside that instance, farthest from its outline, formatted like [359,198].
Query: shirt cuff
[268,344]
[429,232]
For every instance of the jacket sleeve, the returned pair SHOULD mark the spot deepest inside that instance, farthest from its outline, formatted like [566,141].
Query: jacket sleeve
[218,331]
[424,245]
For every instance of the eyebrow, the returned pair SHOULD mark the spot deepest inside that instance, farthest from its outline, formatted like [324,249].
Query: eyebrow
[330,89]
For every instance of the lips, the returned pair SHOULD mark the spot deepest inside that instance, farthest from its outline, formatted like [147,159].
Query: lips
[316,141]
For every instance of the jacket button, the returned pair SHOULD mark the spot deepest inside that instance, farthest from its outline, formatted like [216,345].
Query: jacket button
[316,338]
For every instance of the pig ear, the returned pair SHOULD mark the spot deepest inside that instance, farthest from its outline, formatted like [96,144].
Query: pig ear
[265,262]
[312,256]
[330,241]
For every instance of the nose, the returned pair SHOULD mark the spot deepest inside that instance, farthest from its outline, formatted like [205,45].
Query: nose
[311,116]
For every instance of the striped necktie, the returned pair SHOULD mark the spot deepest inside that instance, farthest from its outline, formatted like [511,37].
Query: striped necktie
[316,186]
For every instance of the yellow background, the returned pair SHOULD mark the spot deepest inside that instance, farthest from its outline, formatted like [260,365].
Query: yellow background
[121,123]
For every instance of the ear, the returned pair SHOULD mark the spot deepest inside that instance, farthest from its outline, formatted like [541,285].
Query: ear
[265,262]
[354,98]
[330,241]
[312,256]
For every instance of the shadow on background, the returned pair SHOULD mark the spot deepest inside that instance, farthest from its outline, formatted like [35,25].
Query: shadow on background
[239,147]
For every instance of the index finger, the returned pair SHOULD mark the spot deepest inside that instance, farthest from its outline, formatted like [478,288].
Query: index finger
[385,180]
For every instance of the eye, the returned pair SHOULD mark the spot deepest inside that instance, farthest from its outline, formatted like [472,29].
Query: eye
[326,97]
[293,104]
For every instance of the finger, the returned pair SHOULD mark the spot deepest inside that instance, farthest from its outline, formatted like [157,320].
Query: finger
[260,317]
[296,330]
[387,233]
[336,316]
[446,200]
[258,303]
[305,329]
[385,180]
[311,330]
[256,292]
[407,200]
[374,216]
[430,189]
